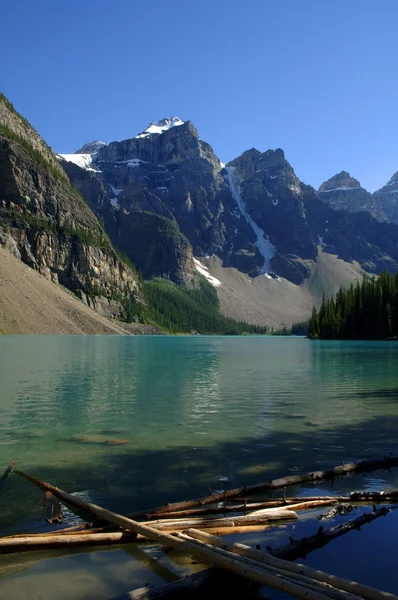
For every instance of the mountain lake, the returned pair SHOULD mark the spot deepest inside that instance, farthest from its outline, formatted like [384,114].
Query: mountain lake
[132,422]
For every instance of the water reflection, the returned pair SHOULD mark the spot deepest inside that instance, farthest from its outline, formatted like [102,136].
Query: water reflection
[135,421]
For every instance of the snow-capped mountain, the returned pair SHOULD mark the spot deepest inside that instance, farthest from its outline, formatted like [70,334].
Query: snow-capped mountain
[164,197]
[161,126]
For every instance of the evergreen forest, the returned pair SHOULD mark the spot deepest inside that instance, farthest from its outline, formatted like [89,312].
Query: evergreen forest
[367,310]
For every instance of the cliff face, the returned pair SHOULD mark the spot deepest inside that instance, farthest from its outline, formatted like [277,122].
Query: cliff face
[45,223]
[147,232]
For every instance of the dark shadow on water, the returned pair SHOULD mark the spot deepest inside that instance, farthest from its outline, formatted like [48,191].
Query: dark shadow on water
[127,480]
[386,393]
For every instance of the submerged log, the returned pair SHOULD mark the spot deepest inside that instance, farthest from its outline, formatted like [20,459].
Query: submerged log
[374,497]
[275,484]
[7,472]
[99,439]
[352,587]
[200,586]
[300,548]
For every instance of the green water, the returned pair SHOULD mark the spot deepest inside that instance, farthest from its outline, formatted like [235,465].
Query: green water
[132,422]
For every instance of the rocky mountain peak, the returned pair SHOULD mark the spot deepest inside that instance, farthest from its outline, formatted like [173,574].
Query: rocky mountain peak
[91,147]
[253,161]
[161,126]
[343,192]
[341,181]
[386,199]
[394,180]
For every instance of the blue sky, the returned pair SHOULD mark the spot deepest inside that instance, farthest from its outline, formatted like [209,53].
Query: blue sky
[317,78]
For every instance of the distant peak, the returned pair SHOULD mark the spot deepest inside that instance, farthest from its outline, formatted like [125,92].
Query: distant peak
[161,126]
[393,180]
[91,147]
[340,181]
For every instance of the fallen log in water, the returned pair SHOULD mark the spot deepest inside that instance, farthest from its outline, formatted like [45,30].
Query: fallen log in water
[99,536]
[275,484]
[202,552]
[300,548]
[208,554]
[289,552]
[41,542]
[366,592]
[258,518]
[7,472]
[221,508]
[309,583]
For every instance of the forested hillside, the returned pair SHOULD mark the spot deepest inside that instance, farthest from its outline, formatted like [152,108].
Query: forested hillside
[367,310]
[180,310]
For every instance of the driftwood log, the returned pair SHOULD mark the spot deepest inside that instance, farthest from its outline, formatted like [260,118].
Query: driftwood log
[366,592]
[309,583]
[277,484]
[256,518]
[221,508]
[43,542]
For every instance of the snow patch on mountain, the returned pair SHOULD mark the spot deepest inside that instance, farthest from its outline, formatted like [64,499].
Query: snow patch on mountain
[134,162]
[339,189]
[115,190]
[161,126]
[264,246]
[84,161]
[205,272]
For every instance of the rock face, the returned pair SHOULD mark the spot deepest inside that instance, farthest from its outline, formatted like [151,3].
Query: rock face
[148,235]
[165,192]
[343,192]
[91,147]
[387,199]
[45,223]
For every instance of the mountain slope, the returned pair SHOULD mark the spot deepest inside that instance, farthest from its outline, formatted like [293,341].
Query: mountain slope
[277,301]
[47,225]
[30,303]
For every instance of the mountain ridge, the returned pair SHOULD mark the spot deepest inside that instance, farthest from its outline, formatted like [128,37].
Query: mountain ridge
[260,236]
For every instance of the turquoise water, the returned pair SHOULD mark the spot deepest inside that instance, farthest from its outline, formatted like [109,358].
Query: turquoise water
[132,422]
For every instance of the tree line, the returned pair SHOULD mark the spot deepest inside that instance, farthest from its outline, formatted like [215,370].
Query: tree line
[367,310]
